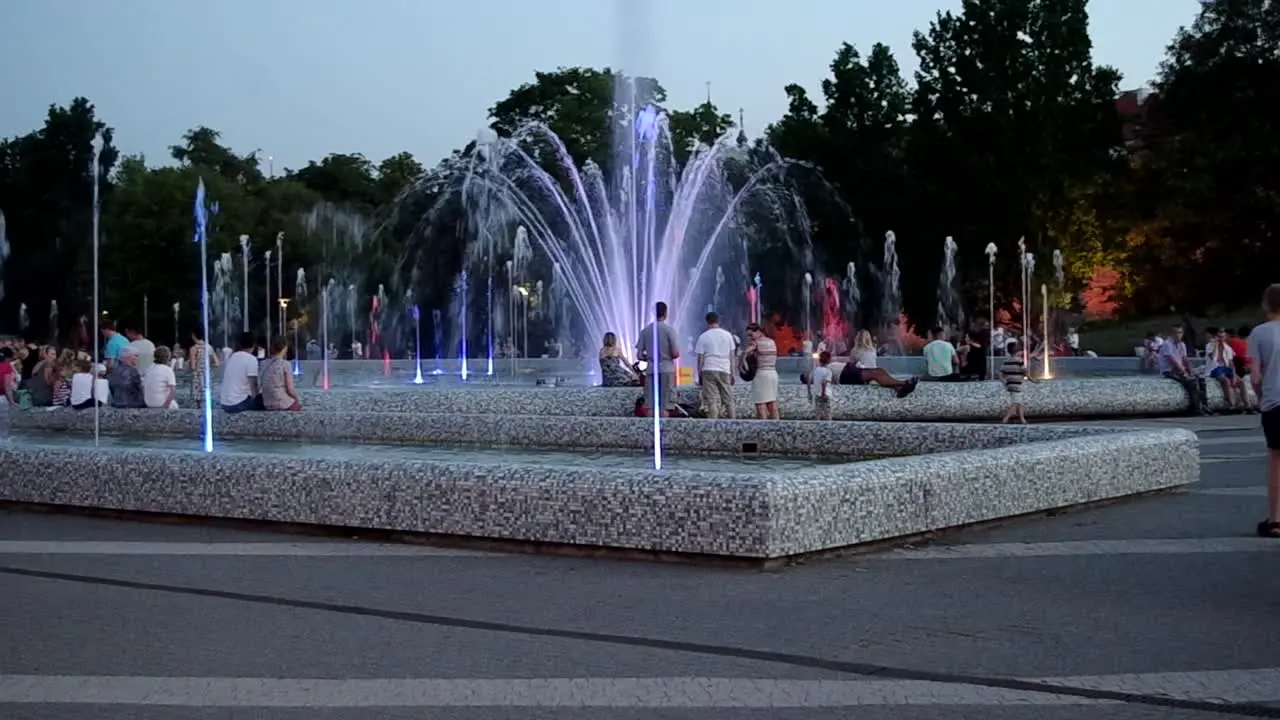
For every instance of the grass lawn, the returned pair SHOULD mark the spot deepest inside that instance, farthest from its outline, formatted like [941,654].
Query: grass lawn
[1118,337]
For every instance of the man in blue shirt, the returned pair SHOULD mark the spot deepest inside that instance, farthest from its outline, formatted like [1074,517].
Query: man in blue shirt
[115,342]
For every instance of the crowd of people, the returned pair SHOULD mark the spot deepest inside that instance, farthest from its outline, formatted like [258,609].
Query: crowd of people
[136,373]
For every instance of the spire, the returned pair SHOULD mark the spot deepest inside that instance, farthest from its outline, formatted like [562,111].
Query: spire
[708,92]
[742,128]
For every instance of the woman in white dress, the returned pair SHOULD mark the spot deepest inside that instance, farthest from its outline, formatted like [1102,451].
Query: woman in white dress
[764,386]
[864,350]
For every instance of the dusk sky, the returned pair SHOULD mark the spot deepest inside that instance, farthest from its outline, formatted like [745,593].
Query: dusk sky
[303,78]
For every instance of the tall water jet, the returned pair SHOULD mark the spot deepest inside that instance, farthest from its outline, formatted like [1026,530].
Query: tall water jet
[950,313]
[1059,270]
[177,314]
[202,235]
[1044,343]
[244,265]
[4,252]
[834,326]
[95,175]
[326,293]
[222,268]
[417,344]
[891,306]
[437,338]
[717,297]
[53,322]
[462,289]
[807,289]
[299,296]
[991,308]
[24,318]
[351,300]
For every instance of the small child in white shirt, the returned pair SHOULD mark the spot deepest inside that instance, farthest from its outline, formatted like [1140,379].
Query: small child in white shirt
[822,379]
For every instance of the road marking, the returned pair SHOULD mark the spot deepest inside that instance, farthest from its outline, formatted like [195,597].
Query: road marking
[1250,491]
[262,549]
[1086,547]
[1218,686]
[550,692]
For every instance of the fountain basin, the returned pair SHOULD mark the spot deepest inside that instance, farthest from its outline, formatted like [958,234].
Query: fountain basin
[969,402]
[787,438]
[761,511]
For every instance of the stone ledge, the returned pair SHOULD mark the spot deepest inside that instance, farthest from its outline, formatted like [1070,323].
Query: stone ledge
[986,401]
[757,516]
[786,437]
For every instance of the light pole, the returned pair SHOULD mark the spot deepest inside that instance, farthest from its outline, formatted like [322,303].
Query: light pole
[991,309]
[244,266]
[94,171]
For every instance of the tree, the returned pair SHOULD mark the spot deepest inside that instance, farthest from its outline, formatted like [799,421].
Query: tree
[395,174]
[703,125]
[47,197]
[346,179]
[201,149]
[584,107]
[1214,154]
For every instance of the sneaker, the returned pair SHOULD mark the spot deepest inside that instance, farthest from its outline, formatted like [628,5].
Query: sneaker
[908,387]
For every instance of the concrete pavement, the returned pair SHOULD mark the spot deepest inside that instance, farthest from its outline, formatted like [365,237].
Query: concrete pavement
[1163,607]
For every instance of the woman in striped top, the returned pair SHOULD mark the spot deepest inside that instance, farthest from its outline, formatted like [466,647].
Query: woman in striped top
[764,386]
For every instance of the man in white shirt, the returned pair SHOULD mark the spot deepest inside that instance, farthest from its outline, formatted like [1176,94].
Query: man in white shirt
[1173,363]
[145,349]
[717,351]
[239,387]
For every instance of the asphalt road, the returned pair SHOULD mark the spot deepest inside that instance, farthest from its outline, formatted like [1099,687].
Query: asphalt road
[1162,607]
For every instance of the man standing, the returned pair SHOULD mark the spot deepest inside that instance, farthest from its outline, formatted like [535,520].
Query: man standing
[1264,356]
[115,342]
[658,346]
[717,351]
[145,348]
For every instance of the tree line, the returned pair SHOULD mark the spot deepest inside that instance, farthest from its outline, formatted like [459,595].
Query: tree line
[1008,129]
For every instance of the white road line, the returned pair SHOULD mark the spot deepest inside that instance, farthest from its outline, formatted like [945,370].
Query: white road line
[1224,686]
[551,692]
[1251,491]
[1086,547]
[263,549]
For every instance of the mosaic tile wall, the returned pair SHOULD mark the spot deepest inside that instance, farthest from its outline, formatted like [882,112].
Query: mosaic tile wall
[795,437]
[1102,397]
[745,515]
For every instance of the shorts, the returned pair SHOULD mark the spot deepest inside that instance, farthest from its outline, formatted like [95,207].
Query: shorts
[1271,427]
[666,390]
[1222,372]
[851,375]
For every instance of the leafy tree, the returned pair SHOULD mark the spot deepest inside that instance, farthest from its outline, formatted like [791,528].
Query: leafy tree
[200,148]
[343,179]
[704,125]
[47,197]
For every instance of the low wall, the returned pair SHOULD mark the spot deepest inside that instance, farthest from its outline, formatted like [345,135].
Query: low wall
[1102,397]
[852,439]
[756,516]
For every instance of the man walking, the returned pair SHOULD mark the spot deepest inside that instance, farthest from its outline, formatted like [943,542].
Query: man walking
[717,351]
[1264,355]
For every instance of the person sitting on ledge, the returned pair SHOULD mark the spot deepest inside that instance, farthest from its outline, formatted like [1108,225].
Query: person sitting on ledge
[847,373]
[276,379]
[614,370]
[159,386]
[1174,364]
[240,378]
[125,381]
[941,361]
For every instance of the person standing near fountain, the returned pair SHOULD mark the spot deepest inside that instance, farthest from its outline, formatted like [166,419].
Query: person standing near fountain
[717,352]
[764,384]
[662,369]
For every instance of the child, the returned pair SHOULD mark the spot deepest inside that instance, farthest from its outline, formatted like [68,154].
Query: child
[84,385]
[1013,373]
[821,378]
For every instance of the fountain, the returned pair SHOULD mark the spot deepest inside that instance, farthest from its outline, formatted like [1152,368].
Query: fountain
[437,338]
[53,322]
[202,236]
[807,287]
[950,313]
[299,296]
[326,295]
[462,317]
[221,297]
[4,252]
[177,314]
[991,251]
[835,329]
[891,306]
[638,231]
[244,265]
[24,319]
[351,300]
[852,293]
[1044,341]
[417,342]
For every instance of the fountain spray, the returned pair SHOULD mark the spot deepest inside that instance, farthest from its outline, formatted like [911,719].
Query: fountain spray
[326,292]
[202,221]
[759,299]
[279,283]
[94,172]
[463,357]
[244,266]
[417,344]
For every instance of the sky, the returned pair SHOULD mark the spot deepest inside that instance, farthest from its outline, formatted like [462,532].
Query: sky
[298,79]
